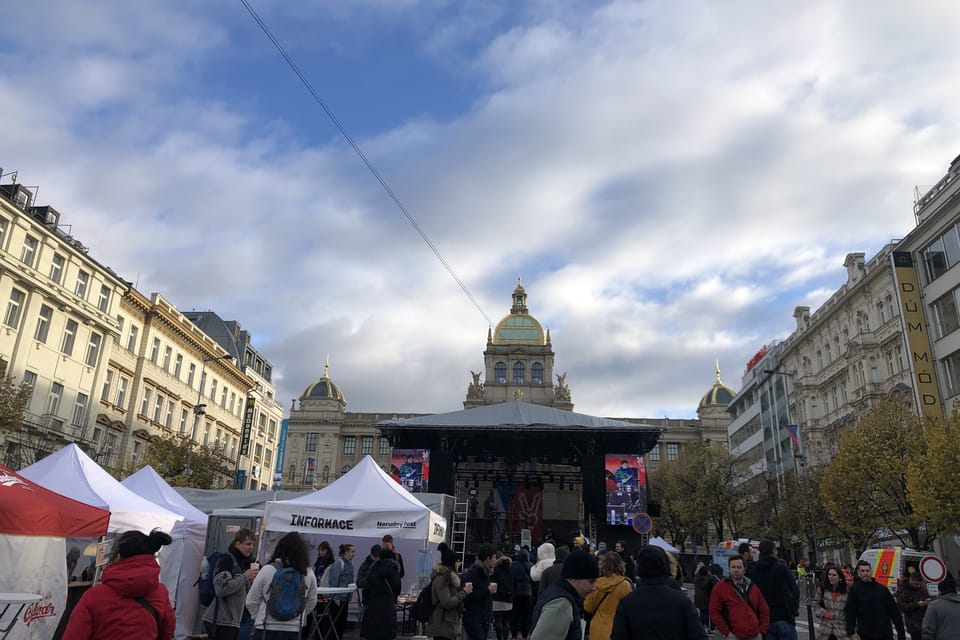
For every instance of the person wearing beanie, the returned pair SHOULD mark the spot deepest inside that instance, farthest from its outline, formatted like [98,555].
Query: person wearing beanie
[363,572]
[655,608]
[130,601]
[379,621]
[558,610]
[447,595]
[552,573]
[942,620]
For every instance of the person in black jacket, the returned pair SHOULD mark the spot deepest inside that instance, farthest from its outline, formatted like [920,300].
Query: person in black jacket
[503,598]
[364,571]
[631,568]
[478,606]
[380,599]
[871,609]
[552,573]
[522,595]
[655,610]
[559,609]
[779,589]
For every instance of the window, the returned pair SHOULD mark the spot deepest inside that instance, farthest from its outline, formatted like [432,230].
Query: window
[12,318]
[122,390]
[267,458]
[223,396]
[536,373]
[941,254]
[946,319]
[888,355]
[158,408]
[137,452]
[93,349]
[191,373]
[53,401]
[167,356]
[43,324]
[103,301]
[111,449]
[312,440]
[349,445]
[107,383]
[183,421]
[145,403]
[385,448]
[56,268]
[874,375]
[29,251]
[169,419]
[272,429]
[79,410]
[155,351]
[132,338]
[500,373]
[30,379]
[97,434]
[213,389]
[83,278]
[366,445]
[258,452]
[3,230]
[178,366]
[518,371]
[673,452]
[69,335]
[655,453]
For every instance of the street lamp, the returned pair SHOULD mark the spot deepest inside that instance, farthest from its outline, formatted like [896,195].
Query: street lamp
[199,408]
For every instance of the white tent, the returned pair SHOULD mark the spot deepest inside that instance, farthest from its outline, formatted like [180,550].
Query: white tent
[657,541]
[70,472]
[363,505]
[180,561]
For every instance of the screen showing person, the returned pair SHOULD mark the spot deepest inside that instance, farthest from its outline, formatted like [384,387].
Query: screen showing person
[411,468]
[626,480]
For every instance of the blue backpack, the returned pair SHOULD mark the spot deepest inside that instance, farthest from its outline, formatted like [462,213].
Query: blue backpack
[286,593]
[208,570]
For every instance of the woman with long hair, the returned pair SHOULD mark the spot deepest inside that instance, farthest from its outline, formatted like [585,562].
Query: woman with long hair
[291,552]
[601,604]
[130,601]
[324,559]
[830,603]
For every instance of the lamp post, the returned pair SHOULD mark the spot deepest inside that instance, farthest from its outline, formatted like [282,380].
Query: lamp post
[199,408]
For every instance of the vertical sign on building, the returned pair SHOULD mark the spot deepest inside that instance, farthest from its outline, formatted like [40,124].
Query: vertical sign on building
[247,425]
[927,393]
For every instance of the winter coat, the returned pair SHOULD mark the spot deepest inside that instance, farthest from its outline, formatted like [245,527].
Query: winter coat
[478,605]
[342,576]
[231,586]
[448,600]
[521,574]
[111,609]
[655,610]
[871,609]
[702,586]
[778,586]
[908,601]
[380,598]
[546,556]
[601,603]
[744,617]
[829,609]
[550,575]
[557,613]
[942,621]
[362,574]
[259,593]
[320,565]
[503,577]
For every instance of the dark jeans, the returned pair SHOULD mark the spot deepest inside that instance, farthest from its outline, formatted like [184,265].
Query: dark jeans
[338,611]
[520,620]
[781,630]
[267,634]
[705,619]
[501,624]
[220,632]
[476,630]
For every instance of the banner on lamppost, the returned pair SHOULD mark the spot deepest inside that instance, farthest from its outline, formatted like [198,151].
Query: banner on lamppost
[247,425]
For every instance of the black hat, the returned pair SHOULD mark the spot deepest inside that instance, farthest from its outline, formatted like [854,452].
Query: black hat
[652,562]
[948,585]
[135,543]
[448,557]
[562,553]
[580,565]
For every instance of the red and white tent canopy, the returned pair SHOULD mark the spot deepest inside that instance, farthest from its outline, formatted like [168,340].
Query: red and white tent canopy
[28,509]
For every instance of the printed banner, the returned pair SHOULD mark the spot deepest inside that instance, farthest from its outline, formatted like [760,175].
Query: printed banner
[33,565]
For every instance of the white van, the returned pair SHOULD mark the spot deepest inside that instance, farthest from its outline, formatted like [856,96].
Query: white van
[892,564]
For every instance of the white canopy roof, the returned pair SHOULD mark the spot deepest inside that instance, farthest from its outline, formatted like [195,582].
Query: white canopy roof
[148,484]
[70,472]
[364,502]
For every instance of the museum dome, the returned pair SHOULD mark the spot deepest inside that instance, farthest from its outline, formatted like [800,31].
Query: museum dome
[519,327]
[324,388]
[719,395]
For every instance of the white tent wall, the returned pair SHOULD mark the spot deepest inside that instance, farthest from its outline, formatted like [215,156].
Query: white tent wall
[34,564]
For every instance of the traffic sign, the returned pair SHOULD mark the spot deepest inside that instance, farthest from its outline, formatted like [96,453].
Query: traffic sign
[932,569]
[642,523]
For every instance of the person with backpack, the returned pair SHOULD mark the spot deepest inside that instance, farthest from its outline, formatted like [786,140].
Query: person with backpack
[340,574]
[224,580]
[283,591]
[380,598]
[503,598]
[130,601]
[446,596]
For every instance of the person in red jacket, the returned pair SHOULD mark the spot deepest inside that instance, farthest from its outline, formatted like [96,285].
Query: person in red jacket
[129,602]
[737,608]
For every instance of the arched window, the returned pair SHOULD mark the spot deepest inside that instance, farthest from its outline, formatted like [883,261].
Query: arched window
[518,371]
[536,373]
[500,372]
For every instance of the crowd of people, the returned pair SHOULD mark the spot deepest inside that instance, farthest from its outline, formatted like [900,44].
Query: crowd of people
[566,592]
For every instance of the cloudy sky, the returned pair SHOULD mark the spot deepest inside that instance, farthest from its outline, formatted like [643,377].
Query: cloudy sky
[670,178]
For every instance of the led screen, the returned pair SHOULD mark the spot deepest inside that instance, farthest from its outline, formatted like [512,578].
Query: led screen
[411,468]
[626,487]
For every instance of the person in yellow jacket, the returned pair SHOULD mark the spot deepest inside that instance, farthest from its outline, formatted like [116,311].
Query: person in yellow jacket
[602,603]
